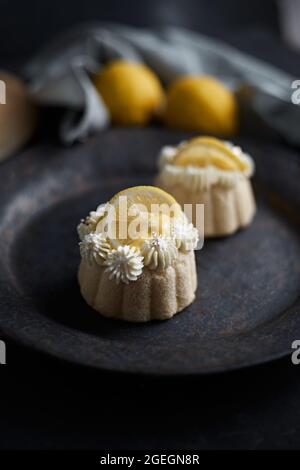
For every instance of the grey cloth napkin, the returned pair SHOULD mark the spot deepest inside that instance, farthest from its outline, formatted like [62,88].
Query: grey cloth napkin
[60,75]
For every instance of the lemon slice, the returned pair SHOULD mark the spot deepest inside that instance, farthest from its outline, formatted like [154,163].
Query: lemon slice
[137,212]
[146,195]
[204,151]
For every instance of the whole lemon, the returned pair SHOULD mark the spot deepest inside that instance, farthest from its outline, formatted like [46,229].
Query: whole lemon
[131,91]
[201,103]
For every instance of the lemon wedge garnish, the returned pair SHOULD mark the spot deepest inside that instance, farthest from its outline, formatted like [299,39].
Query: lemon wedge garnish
[139,212]
[205,151]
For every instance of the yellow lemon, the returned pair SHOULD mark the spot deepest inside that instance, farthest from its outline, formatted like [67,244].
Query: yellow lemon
[204,151]
[135,213]
[131,91]
[201,103]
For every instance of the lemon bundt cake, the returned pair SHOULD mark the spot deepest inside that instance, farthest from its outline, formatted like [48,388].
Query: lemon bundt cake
[208,171]
[137,256]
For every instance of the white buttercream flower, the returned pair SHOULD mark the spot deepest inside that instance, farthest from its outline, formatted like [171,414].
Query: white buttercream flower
[124,264]
[185,234]
[94,248]
[166,155]
[89,224]
[159,251]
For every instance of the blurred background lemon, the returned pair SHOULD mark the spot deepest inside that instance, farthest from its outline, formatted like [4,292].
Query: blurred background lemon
[131,91]
[201,103]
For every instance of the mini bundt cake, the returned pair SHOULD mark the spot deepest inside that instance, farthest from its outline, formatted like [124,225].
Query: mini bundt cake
[137,261]
[208,171]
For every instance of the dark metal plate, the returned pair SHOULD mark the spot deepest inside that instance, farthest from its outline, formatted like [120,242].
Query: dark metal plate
[247,309]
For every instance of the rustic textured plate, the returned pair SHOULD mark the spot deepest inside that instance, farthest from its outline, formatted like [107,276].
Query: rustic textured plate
[247,309]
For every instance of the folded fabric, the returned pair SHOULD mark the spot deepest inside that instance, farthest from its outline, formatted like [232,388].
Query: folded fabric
[60,75]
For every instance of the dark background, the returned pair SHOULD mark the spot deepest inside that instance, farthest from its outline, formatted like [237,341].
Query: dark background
[27,26]
[47,404]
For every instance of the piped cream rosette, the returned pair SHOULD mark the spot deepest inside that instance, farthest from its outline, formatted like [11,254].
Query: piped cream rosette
[206,170]
[138,256]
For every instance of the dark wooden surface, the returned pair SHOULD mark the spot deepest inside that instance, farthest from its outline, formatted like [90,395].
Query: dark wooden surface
[49,405]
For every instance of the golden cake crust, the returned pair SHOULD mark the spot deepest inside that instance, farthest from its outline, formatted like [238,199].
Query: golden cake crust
[226,209]
[155,295]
